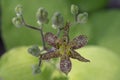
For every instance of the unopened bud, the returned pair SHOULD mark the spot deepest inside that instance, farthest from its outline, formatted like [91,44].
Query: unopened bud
[74,9]
[18,10]
[82,17]
[57,20]
[17,22]
[42,16]
[34,50]
[36,69]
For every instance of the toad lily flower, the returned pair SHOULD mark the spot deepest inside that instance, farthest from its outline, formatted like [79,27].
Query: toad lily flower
[64,49]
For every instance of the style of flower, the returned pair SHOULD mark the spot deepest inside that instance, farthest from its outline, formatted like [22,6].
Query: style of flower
[64,48]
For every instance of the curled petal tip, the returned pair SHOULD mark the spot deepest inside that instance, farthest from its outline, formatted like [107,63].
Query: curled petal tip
[76,55]
[86,60]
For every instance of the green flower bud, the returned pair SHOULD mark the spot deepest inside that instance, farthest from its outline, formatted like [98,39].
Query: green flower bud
[17,21]
[57,20]
[42,15]
[82,17]
[74,9]
[36,69]
[34,50]
[18,10]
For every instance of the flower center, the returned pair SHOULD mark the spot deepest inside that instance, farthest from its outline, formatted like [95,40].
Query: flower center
[64,49]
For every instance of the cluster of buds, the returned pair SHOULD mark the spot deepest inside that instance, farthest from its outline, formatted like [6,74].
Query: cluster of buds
[17,21]
[61,47]
[79,17]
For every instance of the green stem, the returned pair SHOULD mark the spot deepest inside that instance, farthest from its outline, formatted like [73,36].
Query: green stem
[75,18]
[35,28]
[58,32]
[42,36]
[40,61]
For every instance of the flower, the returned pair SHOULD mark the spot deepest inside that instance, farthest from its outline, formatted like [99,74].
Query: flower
[74,9]
[34,50]
[82,17]
[42,16]
[64,49]
[57,20]
[18,10]
[36,69]
[17,21]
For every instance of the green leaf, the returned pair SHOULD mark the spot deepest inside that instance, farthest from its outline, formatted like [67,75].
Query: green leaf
[106,29]
[104,65]
[18,63]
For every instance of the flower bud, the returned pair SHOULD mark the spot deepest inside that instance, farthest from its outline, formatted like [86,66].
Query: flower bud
[82,17]
[57,20]
[18,10]
[36,69]
[42,15]
[74,9]
[17,21]
[34,50]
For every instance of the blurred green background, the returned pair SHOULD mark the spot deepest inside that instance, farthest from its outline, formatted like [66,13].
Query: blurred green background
[102,28]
